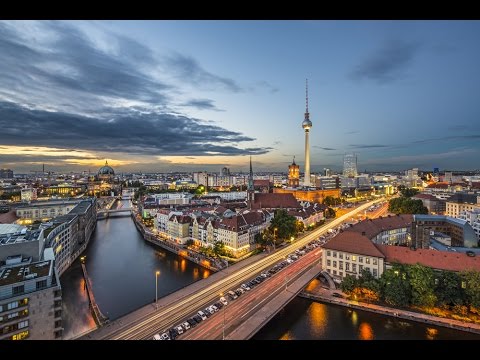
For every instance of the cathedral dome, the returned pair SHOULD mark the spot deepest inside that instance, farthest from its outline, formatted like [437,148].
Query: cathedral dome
[106,170]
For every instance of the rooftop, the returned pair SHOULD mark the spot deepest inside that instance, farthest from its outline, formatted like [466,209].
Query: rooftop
[23,272]
[22,236]
[276,200]
[373,227]
[353,242]
[453,261]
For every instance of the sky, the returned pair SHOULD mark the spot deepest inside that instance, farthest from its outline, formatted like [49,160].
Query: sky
[160,96]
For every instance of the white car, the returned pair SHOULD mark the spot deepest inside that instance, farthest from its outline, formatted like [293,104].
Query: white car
[224,301]
[157,337]
[186,325]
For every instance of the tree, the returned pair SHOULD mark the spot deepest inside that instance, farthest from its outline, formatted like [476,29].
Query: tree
[189,242]
[218,248]
[285,224]
[422,281]
[408,192]
[471,284]
[404,205]
[449,290]
[349,283]
[330,213]
[330,200]
[395,288]
[300,226]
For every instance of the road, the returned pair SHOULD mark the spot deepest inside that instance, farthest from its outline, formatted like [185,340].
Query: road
[173,314]
[240,309]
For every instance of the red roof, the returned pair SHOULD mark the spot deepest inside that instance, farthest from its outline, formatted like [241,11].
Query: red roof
[8,218]
[261,183]
[240,222]
[424,196]
[442,260]
[355,243]
[373,227]
[276,201]
[438,185]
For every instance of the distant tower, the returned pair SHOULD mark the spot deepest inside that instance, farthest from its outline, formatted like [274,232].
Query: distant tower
[350,165]
[307,124]
[250,189]
[293,174]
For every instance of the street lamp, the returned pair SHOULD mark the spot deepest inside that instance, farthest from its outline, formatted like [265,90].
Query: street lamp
[274,237]
[223,328]
[82,259]
[156,288]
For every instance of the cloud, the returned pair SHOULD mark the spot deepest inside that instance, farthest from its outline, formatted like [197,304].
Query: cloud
[365,146]
[323,148]
[352,132]
[266,85]
[202,104]
[388,63]
[127,131]
[189,70]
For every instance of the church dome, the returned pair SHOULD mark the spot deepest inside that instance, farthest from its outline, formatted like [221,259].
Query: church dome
[106,170]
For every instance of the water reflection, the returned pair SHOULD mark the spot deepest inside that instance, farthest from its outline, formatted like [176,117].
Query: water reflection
[318,319]
[365,331]
[431,333]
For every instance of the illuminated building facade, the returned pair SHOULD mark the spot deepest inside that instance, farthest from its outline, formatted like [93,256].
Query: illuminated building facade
[350,165]
[293,175]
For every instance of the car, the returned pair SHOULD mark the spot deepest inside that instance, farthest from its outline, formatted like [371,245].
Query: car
[245,287]
[470,253]
[224,301]
[232,295]
[338,295]
[202,315]
[198,318]
[192,322]
[185,325]
[157,337]
[179,329]
[219,304]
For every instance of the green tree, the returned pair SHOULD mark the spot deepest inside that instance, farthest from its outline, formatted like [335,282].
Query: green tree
[285,224]
[471,284]
[329,201]
[404,205]
[348,285]
[218,248]
[422,281]
[448,289]
[300,226]
[330,213]
[395,287]
[408,192]
[189,242]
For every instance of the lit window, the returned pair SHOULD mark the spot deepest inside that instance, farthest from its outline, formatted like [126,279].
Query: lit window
[354,258]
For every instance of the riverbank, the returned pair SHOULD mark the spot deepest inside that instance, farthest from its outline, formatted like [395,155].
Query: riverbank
[167,245]
[321,294]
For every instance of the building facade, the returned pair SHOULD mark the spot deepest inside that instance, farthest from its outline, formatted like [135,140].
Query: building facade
[293,175]
[350,165]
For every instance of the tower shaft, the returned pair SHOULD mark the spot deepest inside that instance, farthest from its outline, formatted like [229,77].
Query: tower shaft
[306,181]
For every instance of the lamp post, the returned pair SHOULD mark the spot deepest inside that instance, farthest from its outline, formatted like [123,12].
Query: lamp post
[274,237]
[223,328]
[156,289]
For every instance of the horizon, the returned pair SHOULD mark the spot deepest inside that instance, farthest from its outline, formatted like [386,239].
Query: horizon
[185,96]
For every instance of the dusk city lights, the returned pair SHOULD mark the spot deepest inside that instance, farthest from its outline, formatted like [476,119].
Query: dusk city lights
[239,180]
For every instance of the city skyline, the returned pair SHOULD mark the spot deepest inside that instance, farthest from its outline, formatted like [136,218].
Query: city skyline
[199,95]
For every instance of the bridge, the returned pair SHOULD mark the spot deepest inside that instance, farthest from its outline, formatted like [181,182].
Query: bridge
[110,211]
[180,305]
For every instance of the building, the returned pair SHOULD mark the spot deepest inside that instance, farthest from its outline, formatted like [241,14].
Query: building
[349,253]
[423,226]
[309,195]
[30,291]
[327,172]
[459,202]
[434,205]
[327,182]
[28,194]
[307,125]
[390,230]
[293,175]
[473,218]
[106,173]
[350,165]
[201,178]
[225,171]
[44,210]
[6,174]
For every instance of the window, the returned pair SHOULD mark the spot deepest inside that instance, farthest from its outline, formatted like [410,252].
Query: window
[347,257]
[354,268]
[347,266]
[354,258]
[360,268]
[20,336]
[328,253]
[334,254]
[41,284]
[23,324]
[340,265]
[374,261]
[12,305]
[334,264]
[340,255]
[334,272]
[328,262]
[360,259]
[18,289]
[375,272]
[340,273]
[367,260]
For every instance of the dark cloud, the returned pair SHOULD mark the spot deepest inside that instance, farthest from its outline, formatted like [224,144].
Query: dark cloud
[364,146]
[129,131]
[202,104]
[448,138]
[189,70]
[388,63]
[323,148]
